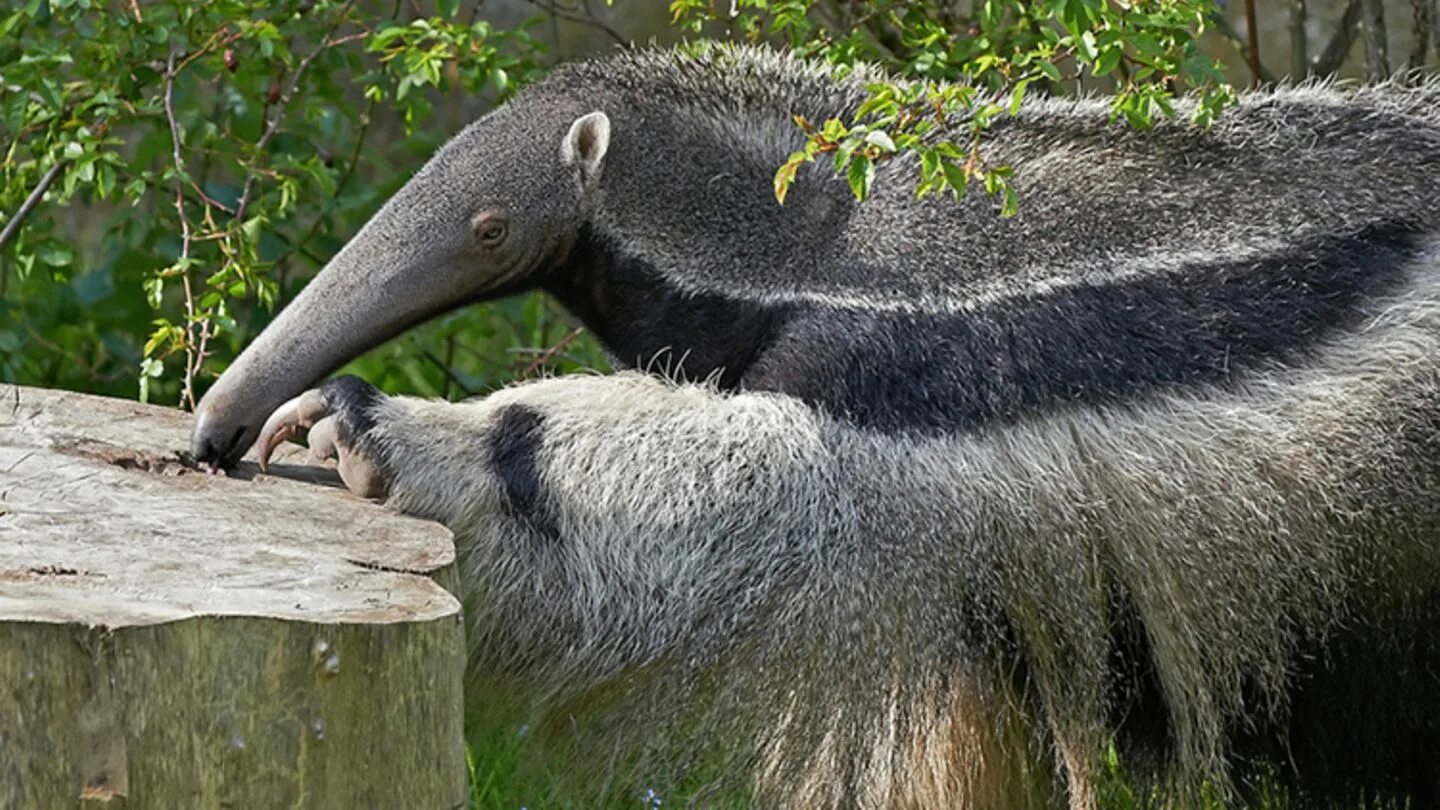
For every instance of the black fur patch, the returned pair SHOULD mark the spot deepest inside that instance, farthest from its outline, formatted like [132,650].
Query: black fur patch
[514,454]
[648,323]
[351,401]
[1088,344]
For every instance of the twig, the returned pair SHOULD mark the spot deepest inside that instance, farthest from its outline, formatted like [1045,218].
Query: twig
[589,18]
[449,375]
[348,38]
[207,199]
[549,354]
[219,39]
[299,244]
[192,361]
[13,225]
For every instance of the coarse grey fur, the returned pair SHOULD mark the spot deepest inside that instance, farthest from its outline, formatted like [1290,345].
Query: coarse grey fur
[796,557]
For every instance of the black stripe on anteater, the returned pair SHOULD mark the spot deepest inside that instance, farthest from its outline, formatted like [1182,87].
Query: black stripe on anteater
[1086,343]
[1083,344]
[514,456]
[351,402]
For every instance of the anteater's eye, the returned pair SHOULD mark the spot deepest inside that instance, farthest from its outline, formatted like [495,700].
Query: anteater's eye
[490,231]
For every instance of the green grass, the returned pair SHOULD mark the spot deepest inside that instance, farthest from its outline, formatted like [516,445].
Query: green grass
[506,772]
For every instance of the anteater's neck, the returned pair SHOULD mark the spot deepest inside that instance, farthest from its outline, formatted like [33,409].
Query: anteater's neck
[645,321]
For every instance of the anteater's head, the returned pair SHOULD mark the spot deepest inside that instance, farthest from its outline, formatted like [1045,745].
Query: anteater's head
[490,213]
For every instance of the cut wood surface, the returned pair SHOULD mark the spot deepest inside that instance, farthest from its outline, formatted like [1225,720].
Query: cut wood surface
[172,638]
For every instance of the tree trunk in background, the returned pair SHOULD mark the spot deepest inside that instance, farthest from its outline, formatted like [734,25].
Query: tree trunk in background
[1435,23]
[1338,48]
[1377,49]
[1420,44]
[1252,46]
[170,639]
[1299,46]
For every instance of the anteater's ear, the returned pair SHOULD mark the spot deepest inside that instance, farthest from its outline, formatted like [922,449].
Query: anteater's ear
[585,144]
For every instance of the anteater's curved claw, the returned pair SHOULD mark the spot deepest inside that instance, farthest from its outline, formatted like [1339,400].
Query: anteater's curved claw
[302,412]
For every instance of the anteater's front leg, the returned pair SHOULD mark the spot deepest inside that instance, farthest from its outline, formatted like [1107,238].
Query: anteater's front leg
[601,517]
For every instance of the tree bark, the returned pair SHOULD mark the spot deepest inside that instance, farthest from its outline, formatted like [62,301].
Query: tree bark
[1299,41]
[1338,48]
[1420,42]
[1377,48]
[174,639]
[1252,46]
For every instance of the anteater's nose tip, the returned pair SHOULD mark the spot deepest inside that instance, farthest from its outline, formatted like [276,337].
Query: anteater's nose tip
[217,444]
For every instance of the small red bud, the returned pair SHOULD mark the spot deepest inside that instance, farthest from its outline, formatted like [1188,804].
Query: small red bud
[232,62]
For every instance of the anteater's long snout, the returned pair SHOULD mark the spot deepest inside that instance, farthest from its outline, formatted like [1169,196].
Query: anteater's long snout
[324,327]
[389,277]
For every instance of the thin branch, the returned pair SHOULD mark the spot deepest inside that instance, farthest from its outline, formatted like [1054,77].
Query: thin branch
[449,375]
[589,18]
[193,359]
[348,38]
[219,39]
[13,225]
[549,354]
[299,245]
[208,200]
[196,342]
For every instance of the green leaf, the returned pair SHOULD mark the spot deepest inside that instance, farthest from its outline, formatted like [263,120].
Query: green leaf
[1011,206]
[55,254]
[1108,61]
[860,176]
[1017,96]
[154,288]
[955,177]
[880,139]
[785,175]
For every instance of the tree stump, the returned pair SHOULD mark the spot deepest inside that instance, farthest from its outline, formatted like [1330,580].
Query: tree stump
[173,639]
